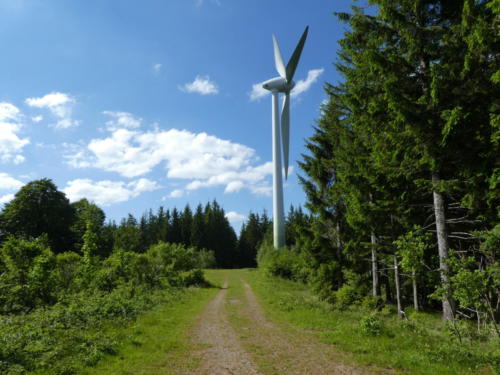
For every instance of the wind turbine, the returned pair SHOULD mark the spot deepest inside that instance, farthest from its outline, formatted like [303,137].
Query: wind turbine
[282,84]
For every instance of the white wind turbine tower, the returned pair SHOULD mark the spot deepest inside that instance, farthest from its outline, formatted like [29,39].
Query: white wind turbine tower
[282,84]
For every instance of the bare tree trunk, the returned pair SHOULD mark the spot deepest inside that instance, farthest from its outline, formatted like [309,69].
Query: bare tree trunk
[398,288]
[375,281]
[443,247]
[415,294]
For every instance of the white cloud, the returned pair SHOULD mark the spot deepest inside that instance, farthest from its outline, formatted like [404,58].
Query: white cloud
[9,112]
[234,186]
[107,192]
[202,159]
[37,119]
[60,105]
[6,198]
[9,183]
[177,193]
[258,92]
[11,144]
[234,217]
[201,85]
[122,120]
[156,68]
[301,86]
[305,84]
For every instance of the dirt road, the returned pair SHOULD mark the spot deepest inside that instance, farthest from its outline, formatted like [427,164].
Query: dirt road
[236,338]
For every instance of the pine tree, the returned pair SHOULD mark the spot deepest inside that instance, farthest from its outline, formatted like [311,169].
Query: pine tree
[198,228]
[186,225]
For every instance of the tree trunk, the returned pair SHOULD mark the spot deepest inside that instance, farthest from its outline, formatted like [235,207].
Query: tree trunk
[339,252]
[443,247]
[388,293]
[398,288]
[338,243]
[415,293]
[375,281]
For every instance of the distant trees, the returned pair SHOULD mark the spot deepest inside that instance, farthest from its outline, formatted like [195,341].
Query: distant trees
[252,235]
[208,228]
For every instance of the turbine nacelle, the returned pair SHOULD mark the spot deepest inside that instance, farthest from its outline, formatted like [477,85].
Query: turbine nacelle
[278,84]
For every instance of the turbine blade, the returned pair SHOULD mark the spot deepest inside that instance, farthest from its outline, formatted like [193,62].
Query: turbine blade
[294,60]
[278,60]
[285,131]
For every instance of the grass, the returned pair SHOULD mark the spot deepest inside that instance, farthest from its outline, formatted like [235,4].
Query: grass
[420,346]
[157,342]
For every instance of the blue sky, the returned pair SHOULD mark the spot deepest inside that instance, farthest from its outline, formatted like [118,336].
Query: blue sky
[137,104]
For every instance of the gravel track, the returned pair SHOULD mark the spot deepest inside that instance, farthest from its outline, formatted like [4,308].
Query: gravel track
[234,335]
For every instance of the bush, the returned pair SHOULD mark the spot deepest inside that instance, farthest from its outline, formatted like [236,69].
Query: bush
[322,280]
[346,296]
[27,277]
[371,325]
[282,262]
[389,310]
[372,303]
[66,271]
[205,259]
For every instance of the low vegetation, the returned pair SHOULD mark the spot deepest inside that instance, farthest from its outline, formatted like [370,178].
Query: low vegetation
[373,335]
[61,311]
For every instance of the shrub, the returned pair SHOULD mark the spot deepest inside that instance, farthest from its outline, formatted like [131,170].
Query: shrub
[346,296]
[389,310]
[27,279]
[66,271]
[372,303]
[371,325]
[205,259]
[282,262]
[322,281]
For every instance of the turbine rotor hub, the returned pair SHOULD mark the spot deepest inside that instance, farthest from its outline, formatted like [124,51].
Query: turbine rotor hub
[278,84]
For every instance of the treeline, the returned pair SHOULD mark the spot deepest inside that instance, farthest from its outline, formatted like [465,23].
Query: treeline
[403,176]
[205,228]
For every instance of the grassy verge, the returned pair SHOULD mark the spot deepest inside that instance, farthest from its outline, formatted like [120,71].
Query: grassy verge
[157,343]
[420,346]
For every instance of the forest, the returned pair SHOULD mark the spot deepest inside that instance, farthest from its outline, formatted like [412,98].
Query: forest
[402,212]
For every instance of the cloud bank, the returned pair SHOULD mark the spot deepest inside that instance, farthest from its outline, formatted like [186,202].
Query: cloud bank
[202,160]
[107,192]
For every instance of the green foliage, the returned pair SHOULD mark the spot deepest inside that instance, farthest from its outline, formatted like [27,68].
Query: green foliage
[27,277]
[38,208]
[421,345]
[411,247]
[66,272]
[346,296]
[71,299]
[282,262]
[372,303]
[205,259]
[73,332]
[88,215]
[414,118]
[370,325]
